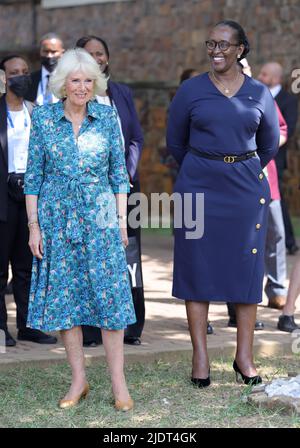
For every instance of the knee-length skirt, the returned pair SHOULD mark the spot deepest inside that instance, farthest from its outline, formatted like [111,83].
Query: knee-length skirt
[83,276]
[227,262]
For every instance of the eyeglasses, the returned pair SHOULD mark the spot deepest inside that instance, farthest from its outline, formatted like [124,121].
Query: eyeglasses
[222,44]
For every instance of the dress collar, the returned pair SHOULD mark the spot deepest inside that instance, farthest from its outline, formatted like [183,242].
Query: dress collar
[59,112]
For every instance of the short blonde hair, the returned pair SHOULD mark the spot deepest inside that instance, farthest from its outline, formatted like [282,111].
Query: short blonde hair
[73,61]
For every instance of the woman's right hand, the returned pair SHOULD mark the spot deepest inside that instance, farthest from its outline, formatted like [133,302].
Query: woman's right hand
[36,242]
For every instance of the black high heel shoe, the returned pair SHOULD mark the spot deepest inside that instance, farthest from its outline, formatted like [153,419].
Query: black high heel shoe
[253,380]
[201,382]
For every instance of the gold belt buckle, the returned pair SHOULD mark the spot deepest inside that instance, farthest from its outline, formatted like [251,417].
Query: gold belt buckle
[229,159]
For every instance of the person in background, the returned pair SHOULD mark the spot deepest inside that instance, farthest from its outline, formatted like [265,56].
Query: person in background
[2,82]
[286,321]
[51,49]
[15,121]
[188,74]
[9,287]
[120,98]
[271,74]
[275,255]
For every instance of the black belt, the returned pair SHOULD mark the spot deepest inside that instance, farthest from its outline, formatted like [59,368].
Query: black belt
[227,159]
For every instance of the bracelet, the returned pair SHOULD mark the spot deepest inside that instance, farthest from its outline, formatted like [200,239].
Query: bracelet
[122,217]
[32,223]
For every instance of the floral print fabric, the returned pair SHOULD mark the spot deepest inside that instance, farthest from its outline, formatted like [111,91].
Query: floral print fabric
[82,278]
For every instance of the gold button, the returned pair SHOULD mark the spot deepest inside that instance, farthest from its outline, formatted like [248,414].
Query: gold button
[262,201]
[254,251]
[261,176]
[258,226]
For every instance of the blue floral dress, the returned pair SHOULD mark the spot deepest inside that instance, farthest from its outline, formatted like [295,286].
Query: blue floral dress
[83,277]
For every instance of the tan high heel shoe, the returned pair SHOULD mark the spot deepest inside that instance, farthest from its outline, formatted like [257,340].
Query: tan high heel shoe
[65,404]
[124,405]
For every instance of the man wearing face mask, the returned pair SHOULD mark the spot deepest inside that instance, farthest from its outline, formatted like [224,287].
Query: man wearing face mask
[51,49]
[14,138]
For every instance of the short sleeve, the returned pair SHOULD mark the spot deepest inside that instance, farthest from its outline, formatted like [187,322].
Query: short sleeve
[34,175]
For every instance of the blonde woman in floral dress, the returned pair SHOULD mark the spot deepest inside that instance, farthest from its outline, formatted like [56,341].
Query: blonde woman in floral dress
[76,185]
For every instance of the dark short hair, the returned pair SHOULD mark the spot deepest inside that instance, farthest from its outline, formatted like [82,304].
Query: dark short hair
[186,74]
[240,33]
[50,36]
[8,58]
[81,43]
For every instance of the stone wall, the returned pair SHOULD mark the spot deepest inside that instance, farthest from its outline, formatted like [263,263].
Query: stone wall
[151,42]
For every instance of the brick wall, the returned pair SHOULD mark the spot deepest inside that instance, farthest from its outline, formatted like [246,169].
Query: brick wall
[152,41]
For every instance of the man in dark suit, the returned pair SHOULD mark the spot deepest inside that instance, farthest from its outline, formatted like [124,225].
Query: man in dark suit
[14,235]
[51,49]
[271,74]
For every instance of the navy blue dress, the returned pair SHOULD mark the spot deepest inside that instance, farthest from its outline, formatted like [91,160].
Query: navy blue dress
[227,262]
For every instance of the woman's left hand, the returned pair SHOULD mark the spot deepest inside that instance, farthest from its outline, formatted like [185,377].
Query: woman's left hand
[124,236]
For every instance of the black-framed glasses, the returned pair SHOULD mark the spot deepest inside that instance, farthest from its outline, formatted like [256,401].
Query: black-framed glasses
[222,44]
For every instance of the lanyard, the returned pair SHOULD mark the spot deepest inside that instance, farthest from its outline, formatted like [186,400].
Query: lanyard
[10,120]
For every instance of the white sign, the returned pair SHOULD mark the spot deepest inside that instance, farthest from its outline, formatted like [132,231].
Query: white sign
[48,4]
[132,273]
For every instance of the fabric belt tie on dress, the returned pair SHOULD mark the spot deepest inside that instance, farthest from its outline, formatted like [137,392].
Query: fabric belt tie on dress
[74,206]
[230,158]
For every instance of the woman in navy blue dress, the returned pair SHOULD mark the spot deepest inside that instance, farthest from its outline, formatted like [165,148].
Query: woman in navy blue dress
[213,117]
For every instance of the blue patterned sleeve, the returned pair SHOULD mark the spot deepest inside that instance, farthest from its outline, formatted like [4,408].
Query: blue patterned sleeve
[117,171]
[36,157]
